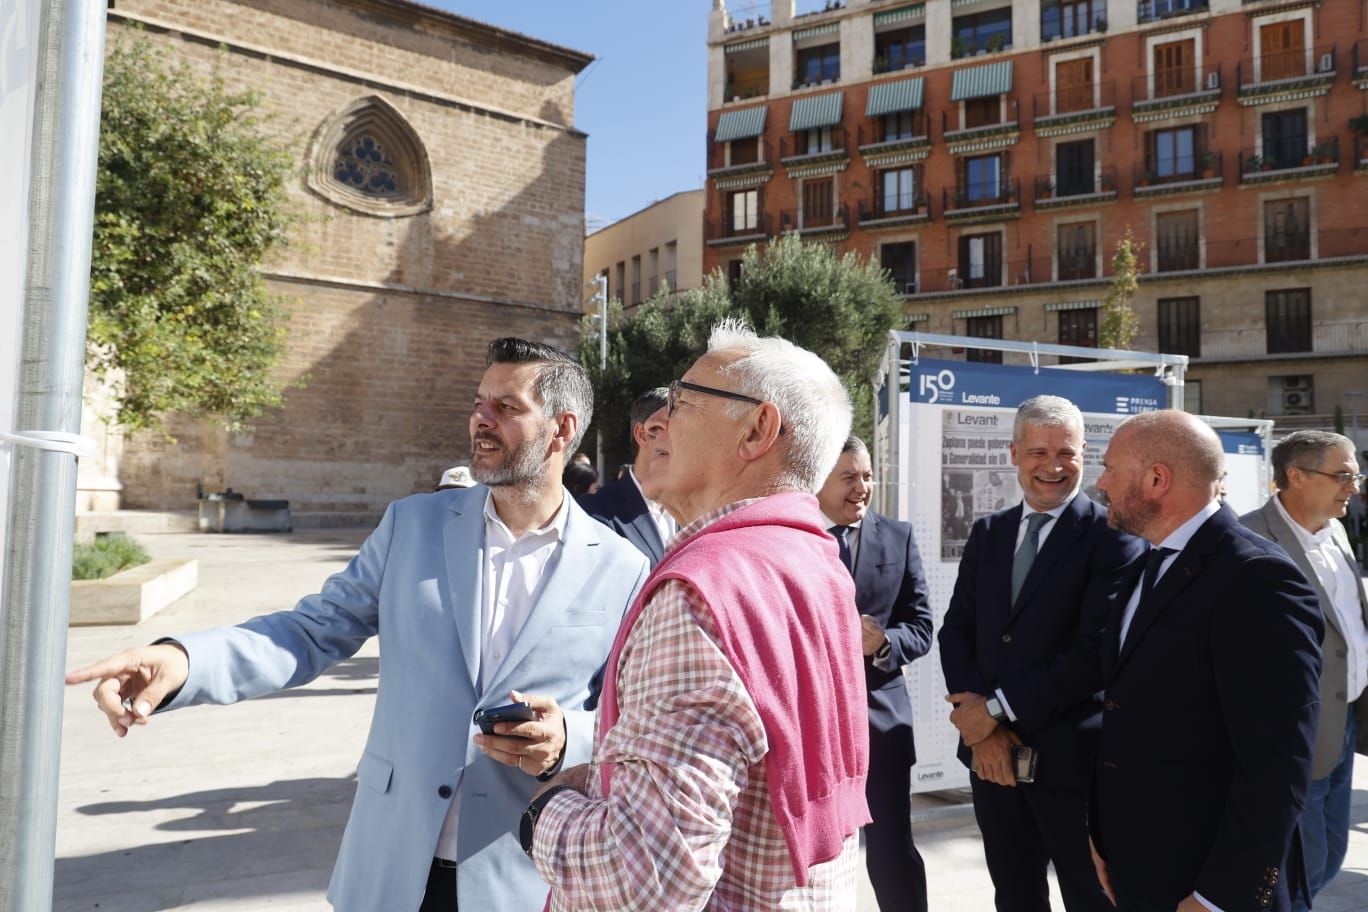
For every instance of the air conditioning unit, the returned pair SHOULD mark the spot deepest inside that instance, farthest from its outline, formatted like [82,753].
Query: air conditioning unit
[1214,80]
[910,287]
[1297,395]
[1327,63]
[1295,401]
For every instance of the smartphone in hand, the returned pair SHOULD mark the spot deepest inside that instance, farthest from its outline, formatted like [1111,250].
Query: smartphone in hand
[513,712]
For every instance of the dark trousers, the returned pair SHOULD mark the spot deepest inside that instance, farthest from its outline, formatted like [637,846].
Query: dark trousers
[1026,827]
[895,866]
[440,895]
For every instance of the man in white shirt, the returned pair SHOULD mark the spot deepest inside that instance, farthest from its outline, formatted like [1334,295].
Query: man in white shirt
[1317,476]
[502,591]
[628,505]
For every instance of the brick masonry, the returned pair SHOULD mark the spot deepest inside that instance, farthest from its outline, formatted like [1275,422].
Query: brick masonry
[1232,302]
[388,317]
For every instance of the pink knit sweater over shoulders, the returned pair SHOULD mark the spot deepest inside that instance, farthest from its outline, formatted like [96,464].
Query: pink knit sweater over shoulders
[784,607]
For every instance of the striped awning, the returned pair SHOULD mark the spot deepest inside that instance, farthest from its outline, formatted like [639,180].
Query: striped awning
[816,111]
[741,124]
[1004,311]
[831,28]
[917,318]
[914,13]
[745,46]
[1073,305]
[982,81]
[893,97]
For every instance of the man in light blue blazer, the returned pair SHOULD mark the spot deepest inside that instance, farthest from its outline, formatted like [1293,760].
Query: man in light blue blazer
[503,591]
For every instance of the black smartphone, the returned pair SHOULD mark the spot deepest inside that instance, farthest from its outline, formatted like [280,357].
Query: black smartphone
[513,712]
[1024,763]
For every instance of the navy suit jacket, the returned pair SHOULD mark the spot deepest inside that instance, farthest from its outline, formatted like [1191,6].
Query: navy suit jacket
[1209,719]
[890,586]
[1044,651]
[620,506]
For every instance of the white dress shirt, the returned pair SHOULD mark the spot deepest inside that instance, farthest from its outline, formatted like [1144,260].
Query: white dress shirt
[515,571]
[665,523]
[1341,583]
[1177,540]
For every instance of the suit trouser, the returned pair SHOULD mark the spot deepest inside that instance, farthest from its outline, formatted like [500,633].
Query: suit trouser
[1026,827]
[895,867]
[440,895]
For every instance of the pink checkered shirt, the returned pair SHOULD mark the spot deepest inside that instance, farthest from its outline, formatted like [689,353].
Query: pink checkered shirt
[689,823]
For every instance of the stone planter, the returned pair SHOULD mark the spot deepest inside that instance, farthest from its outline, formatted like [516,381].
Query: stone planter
[132,595]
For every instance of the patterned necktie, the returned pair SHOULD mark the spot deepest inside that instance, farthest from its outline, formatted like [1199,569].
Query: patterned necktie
[841,534]
[1026,554]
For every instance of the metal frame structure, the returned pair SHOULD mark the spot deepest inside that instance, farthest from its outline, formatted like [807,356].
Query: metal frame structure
[905,348]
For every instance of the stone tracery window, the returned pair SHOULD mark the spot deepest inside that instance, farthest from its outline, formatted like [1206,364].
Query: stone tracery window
[367,158]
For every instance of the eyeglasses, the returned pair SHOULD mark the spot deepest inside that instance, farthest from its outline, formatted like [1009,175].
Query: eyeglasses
[1341,478]
[679,385]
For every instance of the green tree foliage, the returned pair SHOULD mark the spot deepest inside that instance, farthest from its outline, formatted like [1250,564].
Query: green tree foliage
[841,307]
[189,199]
[1119,323]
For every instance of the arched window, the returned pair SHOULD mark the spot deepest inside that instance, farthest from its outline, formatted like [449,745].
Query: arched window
[367,158]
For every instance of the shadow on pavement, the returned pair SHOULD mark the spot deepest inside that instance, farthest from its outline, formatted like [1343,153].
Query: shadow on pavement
[286,839]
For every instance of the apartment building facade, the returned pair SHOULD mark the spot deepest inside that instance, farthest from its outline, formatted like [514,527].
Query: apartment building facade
[660,246]
[991,154]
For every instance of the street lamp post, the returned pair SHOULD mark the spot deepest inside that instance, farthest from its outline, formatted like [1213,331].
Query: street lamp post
[601,318]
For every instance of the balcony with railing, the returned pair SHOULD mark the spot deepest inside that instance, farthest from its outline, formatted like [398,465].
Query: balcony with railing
[1278,76]
[1154,10]
[1297,245]
[992,273]
[1178,254]
[981,201]
[1063,191]
[1340,337]
[1200,170]
[892,210]
[816,220]
[797,150]
[721,232]
[1360,62]
[1074,109]
[1074,264]
[746,157]
[877,146]
[1176,92]
[974,135]
[1073,20]
[1360,153]
[1289,161]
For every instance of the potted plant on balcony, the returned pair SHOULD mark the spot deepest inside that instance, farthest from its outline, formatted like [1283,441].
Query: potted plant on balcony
[1208,164]
[1145,179]
[995,43]
[1044,190]
[1325,153]
[1100,25]
[958,48]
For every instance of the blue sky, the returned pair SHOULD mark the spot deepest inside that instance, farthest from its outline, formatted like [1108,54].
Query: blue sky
[643,102]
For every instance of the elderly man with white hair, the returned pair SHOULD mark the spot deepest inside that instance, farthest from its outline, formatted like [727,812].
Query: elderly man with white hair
[732,746]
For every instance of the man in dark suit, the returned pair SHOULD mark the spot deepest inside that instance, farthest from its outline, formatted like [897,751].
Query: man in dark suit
[1020,650]
[625,505]
[1317,476]
[895,618]
[1211,666]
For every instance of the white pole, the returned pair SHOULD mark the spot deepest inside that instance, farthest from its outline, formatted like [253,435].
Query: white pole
[601,298]
[37,559]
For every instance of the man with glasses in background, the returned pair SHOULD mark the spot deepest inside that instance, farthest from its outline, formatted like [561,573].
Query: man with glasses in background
[1317,476]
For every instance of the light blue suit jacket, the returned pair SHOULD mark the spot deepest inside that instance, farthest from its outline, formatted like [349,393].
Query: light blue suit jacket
[416,583]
